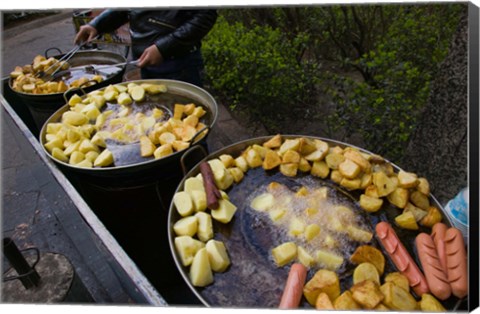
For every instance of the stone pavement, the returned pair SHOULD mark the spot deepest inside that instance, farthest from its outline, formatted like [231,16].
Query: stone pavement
[31,212]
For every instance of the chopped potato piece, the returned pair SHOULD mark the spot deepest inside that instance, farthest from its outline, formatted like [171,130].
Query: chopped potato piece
[323,302]
[284,253]
[420,200]
[274,142]
[370,254]
[349,169]
[225,211]
[304,257]
[217,255]
[399,197]
[183,203]
[346,302]
[186,226]
[398,279]
[370,204]
[428,303]
[200,270]
[367,293]
[433,216]
[329,260]
[289,170]
[366,271]
[205,226]
[423,186]
[186,248]
[397,298]
[262,202]
[320,169]
[407,179]
[272,160]
[325,281]
[333,160]
[406,220]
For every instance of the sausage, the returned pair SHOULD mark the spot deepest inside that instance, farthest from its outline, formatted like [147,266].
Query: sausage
[436,278]
[456,262]
[401,258]
[292,294]
[438,235]
[213,194]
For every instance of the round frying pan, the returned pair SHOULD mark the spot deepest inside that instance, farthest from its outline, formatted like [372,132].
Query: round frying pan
[253,280]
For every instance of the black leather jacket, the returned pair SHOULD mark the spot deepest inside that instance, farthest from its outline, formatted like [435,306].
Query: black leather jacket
[174,32]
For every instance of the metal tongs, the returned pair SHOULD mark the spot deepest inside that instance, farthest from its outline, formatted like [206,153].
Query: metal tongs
[66,57]
[96,68]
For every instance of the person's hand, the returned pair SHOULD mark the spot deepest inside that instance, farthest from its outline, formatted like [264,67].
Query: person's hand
[85,34]
[150,56]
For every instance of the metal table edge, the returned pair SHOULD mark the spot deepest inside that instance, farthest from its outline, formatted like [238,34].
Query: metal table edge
[127,265]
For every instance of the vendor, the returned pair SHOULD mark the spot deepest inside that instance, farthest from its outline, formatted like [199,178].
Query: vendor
[166,43]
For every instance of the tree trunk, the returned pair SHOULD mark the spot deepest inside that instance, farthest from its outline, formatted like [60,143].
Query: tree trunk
[438,147]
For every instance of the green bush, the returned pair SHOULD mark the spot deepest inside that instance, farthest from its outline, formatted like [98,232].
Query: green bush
[385,110]
[256,70]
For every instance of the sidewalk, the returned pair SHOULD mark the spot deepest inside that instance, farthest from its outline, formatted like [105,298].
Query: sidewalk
[28,209]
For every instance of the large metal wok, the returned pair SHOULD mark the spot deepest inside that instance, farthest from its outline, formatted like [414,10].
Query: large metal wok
[252,279]
[144,169]
[42,106]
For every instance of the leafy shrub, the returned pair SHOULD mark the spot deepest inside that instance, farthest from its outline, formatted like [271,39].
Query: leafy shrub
[257,70]
[385,110]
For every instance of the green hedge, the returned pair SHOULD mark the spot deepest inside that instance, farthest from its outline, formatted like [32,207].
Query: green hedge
[256,70]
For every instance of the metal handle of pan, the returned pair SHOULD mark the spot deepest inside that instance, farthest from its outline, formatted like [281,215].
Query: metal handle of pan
[51,48]
[74,89]
[186,155]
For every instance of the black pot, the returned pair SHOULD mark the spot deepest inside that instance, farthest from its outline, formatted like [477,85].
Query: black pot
[42,106]
[150,170]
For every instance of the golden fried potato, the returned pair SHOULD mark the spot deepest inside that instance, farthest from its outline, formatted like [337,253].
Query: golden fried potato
[320,169]
[406,220]
[370,204]
[349,169]
[417,212]
[384,184]
[399,197]
[346,302]
[398,279]
[420,200]
[358,158]
[323,302]
[324,280]
[365,271]
[407,179]
[367,293]
[333,160]
[397,298]
[428,303]
[367,253]
[272,160]
[423,186]
[433,216]
[274,142]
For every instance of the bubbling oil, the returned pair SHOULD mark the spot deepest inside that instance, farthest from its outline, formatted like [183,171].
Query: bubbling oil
[297,213]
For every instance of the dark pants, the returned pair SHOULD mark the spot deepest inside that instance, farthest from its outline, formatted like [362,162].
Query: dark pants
[188,69]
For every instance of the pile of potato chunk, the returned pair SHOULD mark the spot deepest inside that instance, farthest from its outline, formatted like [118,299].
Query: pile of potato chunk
[116,113]
[25,79]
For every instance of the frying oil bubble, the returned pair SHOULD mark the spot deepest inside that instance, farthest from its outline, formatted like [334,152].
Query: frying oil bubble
[314,216]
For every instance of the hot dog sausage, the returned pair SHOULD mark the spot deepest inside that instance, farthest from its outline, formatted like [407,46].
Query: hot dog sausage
[456,262]
[436,278]
[438,235]
[213,194]
[401,258]
[292,294]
